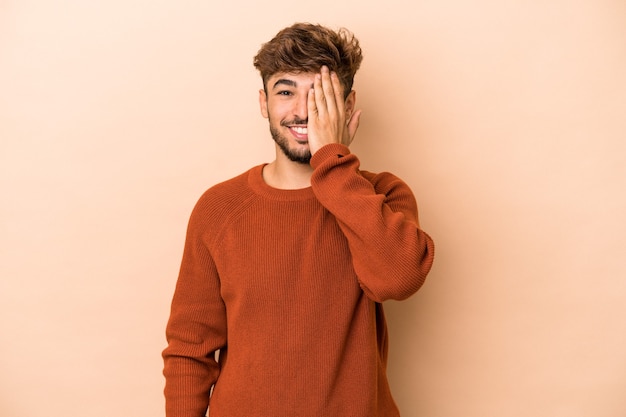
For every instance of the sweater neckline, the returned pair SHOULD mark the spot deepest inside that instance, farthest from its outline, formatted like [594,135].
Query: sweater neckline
[260,187]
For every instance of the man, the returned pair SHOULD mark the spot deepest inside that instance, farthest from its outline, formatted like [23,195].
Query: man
[277,309]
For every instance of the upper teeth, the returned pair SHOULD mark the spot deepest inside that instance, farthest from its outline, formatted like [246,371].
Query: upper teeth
[301,130]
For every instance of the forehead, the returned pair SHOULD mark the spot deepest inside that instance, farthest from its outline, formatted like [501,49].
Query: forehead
[293,79]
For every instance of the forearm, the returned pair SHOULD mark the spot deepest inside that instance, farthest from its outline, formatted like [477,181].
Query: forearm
[391,254]
[190,366]
[187,388]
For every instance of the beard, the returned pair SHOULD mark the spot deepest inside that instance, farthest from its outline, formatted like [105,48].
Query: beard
[302,156]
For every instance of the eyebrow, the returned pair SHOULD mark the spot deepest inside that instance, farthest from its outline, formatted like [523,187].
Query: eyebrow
[287,82]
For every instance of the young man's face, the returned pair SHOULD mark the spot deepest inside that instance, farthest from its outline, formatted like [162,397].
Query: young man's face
[284,104]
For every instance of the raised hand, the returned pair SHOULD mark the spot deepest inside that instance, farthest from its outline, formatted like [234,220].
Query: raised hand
[330,118]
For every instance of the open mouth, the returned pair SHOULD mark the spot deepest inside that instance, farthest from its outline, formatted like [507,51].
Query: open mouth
[299,132]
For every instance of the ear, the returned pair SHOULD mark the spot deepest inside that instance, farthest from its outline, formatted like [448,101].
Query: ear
[263,103]
[350,104]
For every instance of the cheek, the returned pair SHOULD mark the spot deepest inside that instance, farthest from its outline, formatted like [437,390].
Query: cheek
[276,111]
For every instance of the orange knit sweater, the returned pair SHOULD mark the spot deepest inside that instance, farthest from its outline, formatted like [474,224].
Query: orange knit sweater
[287,286]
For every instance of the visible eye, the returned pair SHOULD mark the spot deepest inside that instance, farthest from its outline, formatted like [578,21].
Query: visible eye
[284,93]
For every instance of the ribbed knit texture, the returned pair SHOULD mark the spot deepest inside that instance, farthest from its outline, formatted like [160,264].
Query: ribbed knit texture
[287,285]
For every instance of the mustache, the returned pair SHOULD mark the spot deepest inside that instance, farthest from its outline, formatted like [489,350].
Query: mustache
[296,121]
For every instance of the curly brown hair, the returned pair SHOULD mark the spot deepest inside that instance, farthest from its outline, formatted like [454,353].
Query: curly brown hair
[305,47]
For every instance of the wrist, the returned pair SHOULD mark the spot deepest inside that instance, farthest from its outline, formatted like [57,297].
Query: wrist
[331,150]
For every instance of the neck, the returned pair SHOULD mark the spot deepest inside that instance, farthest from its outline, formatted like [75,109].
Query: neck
[286,174]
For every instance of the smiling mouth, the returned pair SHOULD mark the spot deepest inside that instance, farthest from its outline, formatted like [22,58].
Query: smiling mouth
[301,130]
[300,133]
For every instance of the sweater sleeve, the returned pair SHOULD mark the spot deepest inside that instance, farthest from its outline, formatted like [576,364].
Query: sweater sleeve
[196,329]
[391,255]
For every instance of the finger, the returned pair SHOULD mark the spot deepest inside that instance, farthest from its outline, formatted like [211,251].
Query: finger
[311,105]
[329,91]
[320,98]
[338,94]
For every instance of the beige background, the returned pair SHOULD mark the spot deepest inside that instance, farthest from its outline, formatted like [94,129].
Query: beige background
[507,118]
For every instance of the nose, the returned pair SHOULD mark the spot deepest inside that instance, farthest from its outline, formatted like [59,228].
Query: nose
[300,108]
